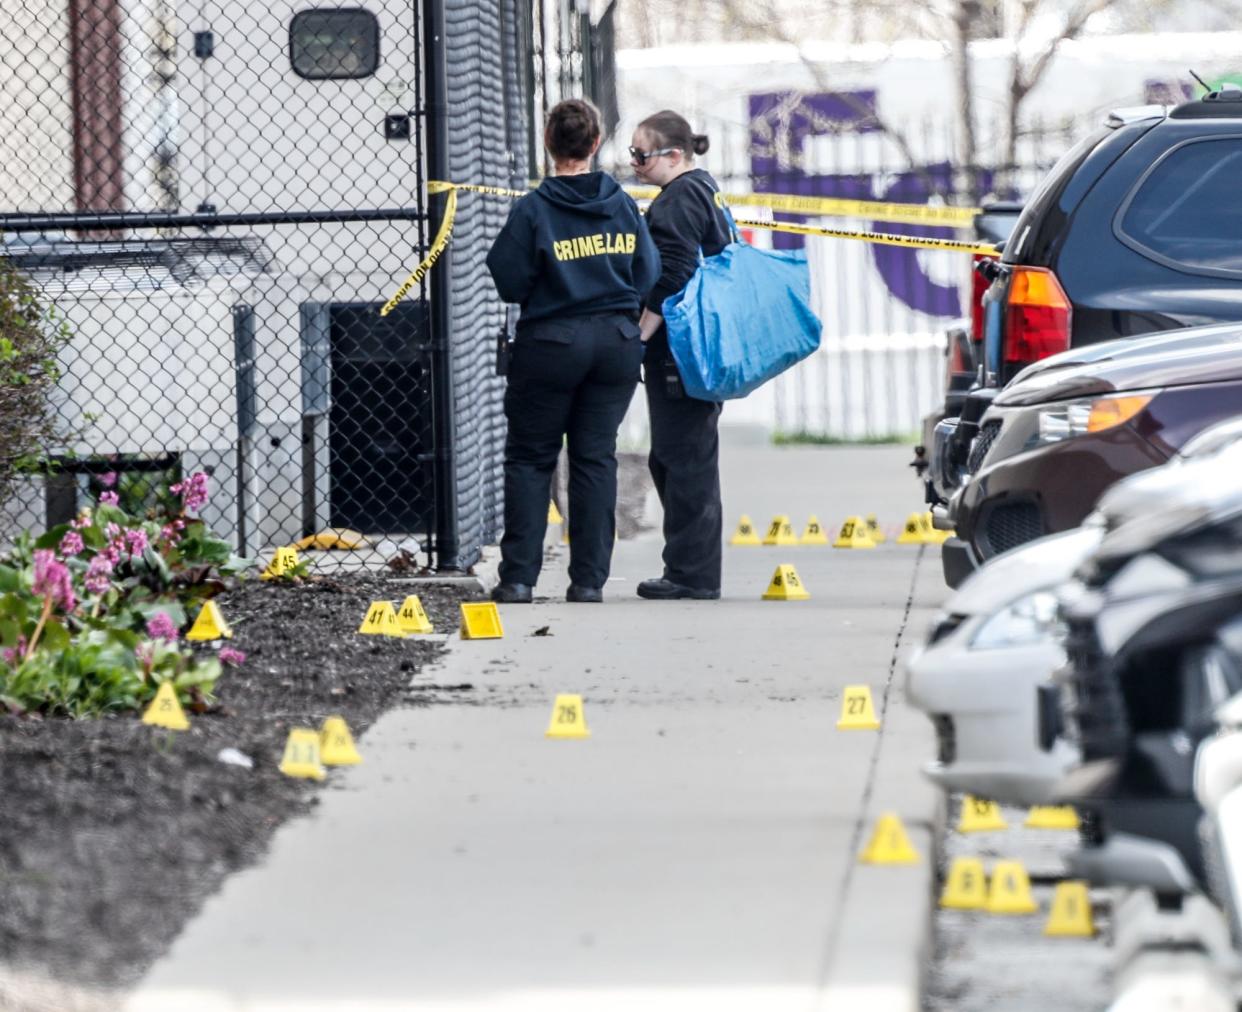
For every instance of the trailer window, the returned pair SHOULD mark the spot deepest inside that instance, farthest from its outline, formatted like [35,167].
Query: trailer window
[333,43]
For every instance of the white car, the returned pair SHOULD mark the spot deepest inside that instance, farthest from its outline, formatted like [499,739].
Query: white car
[986,668]
[978,676]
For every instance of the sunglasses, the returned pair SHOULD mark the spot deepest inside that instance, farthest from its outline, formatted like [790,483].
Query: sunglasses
[640,157]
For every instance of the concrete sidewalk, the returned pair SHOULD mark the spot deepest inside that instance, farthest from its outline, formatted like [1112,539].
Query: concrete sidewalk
[698,851]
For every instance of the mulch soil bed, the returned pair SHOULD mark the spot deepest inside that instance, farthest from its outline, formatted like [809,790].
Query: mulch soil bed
[113,833]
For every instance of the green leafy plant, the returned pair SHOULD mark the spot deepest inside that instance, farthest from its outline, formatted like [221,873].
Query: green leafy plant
[31,337]
[805,438]
[76,602]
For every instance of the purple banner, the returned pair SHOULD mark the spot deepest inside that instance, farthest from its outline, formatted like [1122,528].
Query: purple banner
[781,123]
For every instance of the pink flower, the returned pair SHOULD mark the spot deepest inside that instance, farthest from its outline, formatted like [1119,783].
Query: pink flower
[14,654]
[233,656]
[193,492]
[169,534]
[108,480]
[112,530]
[98,573]
[145,652]
[52,578]
[160,627]
[81,523]
[71,544]
[136,541]
[109,499]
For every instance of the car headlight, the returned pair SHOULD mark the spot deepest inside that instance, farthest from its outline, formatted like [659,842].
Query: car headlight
[1069,419]
[1027,620]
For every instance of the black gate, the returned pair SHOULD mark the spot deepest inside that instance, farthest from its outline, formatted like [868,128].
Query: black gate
[382,445]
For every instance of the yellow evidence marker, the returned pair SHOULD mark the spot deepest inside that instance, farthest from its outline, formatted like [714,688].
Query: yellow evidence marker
[568,718]
[411,618]
[336,744]
[912,531]
[165,710]
[889,843]
[480,621]
[857,710]
[1070,916]
[874,529]
[854,534]
[814,533]
[1010,891]
[786,586]
[301,758]
[745,534]
[554,515]
[980,816]
[780,533]
[284,561]
[1052,817]
[380,620]
[209,625]
[967,886]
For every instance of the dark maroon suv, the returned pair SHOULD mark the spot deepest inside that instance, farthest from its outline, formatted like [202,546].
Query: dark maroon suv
[1057,437]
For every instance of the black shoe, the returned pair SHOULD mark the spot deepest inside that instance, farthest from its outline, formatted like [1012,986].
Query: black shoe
[512,593]
[584,595]
[667,590]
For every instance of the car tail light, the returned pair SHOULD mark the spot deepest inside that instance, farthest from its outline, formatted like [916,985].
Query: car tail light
[1037,316]
[958,362]
[978,285]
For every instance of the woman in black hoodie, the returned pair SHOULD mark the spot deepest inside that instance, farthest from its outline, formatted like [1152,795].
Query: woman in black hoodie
[577,257]
[685,449]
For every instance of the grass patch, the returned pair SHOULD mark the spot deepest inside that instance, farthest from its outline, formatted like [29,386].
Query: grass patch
[823,439]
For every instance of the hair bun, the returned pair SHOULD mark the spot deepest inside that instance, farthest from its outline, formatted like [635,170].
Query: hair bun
[700,143]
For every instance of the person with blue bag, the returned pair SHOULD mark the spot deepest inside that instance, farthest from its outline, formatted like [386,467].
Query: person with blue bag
[723,318]
[577,257]
[685,447]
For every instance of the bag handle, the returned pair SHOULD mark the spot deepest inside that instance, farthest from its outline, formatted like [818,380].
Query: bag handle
[733,232]
[730,224]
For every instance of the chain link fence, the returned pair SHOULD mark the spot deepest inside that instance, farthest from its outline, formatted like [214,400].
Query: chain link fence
[217,197]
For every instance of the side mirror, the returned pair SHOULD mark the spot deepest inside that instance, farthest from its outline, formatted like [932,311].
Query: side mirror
[989,268]
[1218,769]
[1229,713]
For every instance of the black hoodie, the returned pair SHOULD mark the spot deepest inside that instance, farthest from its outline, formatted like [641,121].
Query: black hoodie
[684,218]
[577,245]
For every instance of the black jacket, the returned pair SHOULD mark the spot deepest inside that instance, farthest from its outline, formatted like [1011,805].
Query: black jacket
[683,219]
[577,245]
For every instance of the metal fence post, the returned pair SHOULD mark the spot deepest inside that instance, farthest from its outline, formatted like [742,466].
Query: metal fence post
[441,287]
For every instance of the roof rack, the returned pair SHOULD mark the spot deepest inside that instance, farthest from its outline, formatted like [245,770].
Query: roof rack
[1224,103]
[1133,114]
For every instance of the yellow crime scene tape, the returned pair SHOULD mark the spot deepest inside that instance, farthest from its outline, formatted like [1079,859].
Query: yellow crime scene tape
[879,238]
[904,214]
[443,234]
[839,207]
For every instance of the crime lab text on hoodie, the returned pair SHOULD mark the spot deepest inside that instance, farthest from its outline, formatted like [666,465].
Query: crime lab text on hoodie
[575,246]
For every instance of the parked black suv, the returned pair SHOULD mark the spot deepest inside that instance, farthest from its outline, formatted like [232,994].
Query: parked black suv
[1137,229]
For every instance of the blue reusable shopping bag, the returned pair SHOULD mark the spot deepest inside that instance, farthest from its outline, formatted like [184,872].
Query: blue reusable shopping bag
[743,318]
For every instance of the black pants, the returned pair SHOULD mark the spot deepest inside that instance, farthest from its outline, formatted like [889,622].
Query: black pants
[571,380]
[685,466]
